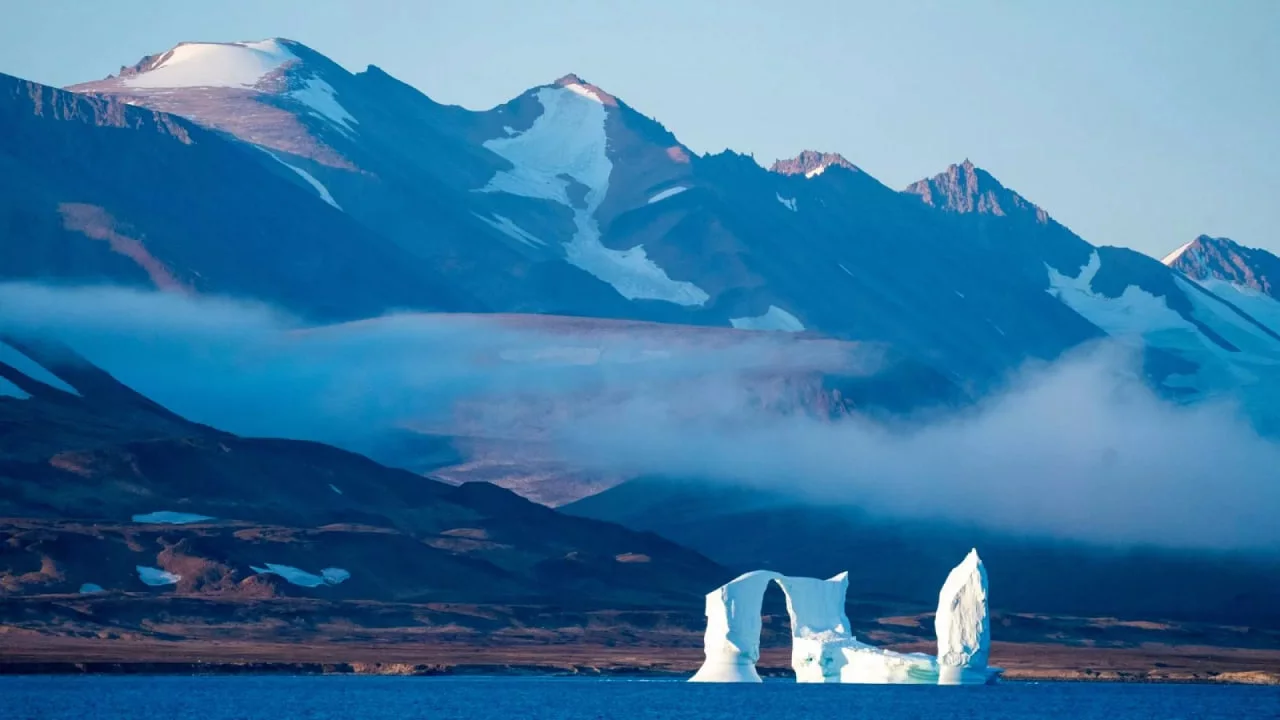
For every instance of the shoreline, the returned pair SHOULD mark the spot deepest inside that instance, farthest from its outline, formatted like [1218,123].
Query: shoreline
[48,656]
[231,669]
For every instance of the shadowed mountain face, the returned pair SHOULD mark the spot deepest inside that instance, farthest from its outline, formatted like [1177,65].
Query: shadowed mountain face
[101,486]
[899,561]
[97,191]
[266,172]
[567,200]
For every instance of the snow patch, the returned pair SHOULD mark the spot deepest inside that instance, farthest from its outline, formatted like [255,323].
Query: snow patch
[8,389]
[310,179]
[322,99]
[846,270]
[816,171]
[302,578]
[775,318]
[18,360]
[1171,257]
[669,192]
[789,203]
[90,589]
[507,227]
[168,517]
[334,488]
[568,140]
[242,65]
[1260,306]
[335,576]
[584,91]
[155,577]
[1252,373]
[1135,313]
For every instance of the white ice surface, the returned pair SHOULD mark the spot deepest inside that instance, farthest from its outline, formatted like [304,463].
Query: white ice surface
[168,517]
[568,141]
[732,638]
[334,576]
[1251,374]
[322,99]
[819,626]
[1260,306]
[961,623]
[775,318]
[214,65]
[302,578]
[584,91]
[8,389]
[669,192]
[824,650]
[789,203]
[310,179]
[155,577]
[506,226]
[16,359]
[1135,313]
[1168,259]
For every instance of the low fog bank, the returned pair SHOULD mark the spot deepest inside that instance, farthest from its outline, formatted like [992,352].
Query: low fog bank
[1077,449]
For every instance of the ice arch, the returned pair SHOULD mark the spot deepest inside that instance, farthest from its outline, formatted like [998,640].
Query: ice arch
[732,639]
[823,650]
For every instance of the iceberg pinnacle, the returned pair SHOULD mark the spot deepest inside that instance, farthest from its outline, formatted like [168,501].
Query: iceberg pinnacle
[961,624]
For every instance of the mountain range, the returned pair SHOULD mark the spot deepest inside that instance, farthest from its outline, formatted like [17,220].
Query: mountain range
[266,173]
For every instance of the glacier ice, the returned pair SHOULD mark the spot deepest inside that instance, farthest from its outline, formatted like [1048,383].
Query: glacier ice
[567,142]
[824,650]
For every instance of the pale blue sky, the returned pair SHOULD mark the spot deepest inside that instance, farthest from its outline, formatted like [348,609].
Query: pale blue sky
[1135,122]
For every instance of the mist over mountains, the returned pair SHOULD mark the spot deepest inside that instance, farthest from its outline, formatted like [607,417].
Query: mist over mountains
[558,296]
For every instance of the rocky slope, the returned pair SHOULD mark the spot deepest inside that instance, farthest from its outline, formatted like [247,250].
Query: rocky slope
[1249,278]
[568,200]
[104,491]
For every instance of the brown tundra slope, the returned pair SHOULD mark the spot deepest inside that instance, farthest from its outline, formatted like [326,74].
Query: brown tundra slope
[97,482]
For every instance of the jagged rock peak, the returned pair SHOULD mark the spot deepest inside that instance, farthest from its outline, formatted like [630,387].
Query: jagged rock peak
[810,163]
[1220,258]
[967,188]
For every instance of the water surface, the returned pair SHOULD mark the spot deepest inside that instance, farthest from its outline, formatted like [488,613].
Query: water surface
[475,698]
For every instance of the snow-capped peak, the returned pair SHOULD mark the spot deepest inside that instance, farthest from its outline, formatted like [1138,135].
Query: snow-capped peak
[200,64]
[1216,258]
[576,84]
[811,163]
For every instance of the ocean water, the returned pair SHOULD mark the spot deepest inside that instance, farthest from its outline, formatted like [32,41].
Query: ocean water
[525,698]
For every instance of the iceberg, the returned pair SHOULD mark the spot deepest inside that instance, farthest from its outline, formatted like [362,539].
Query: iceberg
[824,650]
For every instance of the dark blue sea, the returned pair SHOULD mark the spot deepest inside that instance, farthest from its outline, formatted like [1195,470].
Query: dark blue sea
[376,698]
